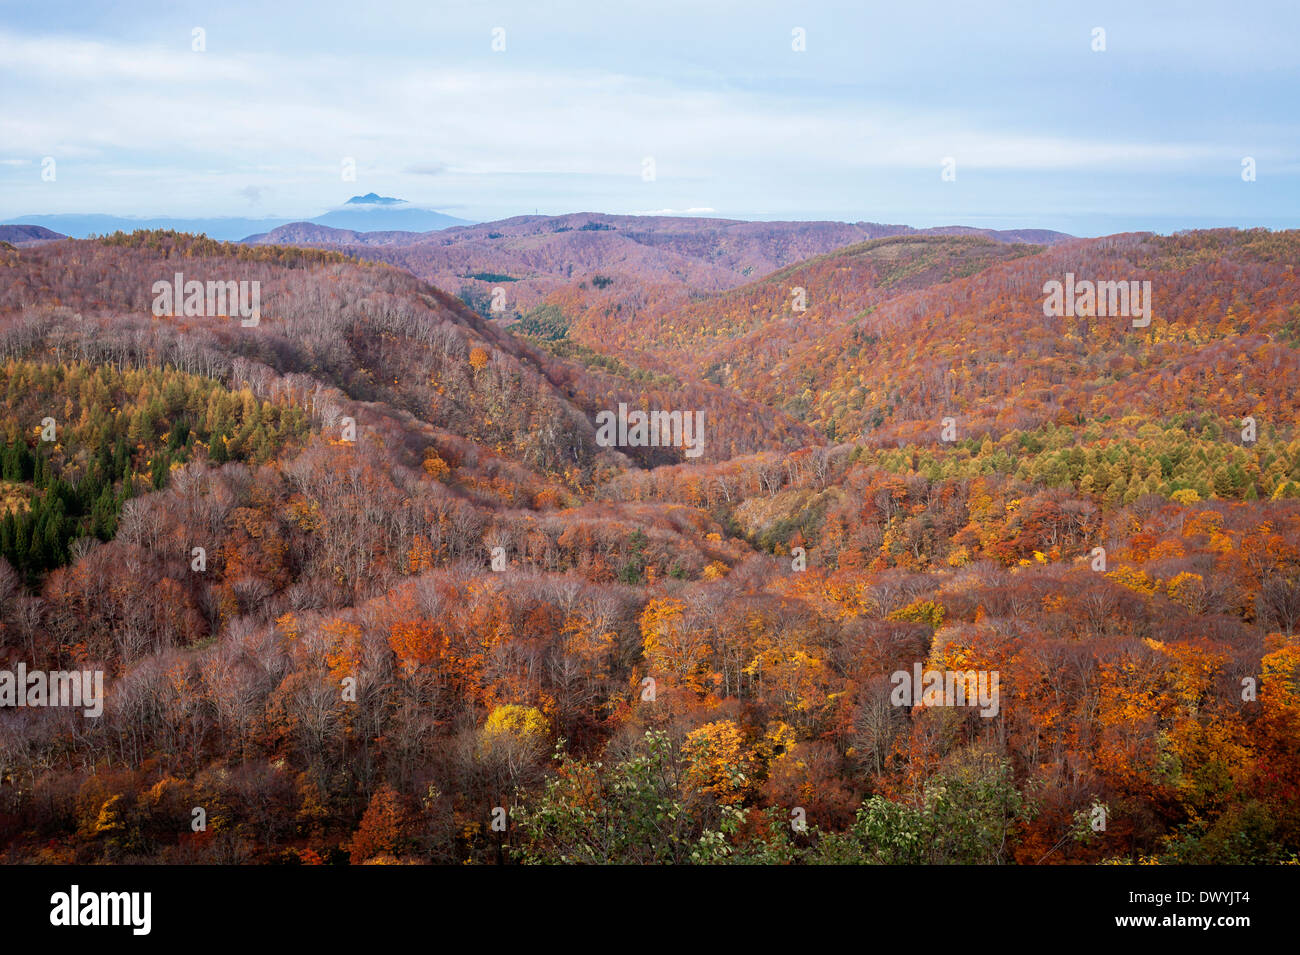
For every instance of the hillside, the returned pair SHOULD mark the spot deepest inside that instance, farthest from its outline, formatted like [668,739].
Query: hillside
[21,235]
[637,257]
[314,235]
[901,332]
[800,302]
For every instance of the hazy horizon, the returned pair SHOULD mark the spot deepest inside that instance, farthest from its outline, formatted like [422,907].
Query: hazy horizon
[1158,226]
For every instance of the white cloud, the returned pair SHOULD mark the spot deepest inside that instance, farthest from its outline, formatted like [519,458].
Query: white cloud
[195,128]
[60,59]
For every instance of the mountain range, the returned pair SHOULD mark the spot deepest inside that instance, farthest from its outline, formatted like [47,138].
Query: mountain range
[370,212]
[527,258]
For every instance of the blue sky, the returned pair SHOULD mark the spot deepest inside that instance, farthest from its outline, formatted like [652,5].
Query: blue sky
[1045,132]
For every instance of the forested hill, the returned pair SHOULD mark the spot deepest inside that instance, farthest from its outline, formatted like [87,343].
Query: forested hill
[508,267]
[884,339]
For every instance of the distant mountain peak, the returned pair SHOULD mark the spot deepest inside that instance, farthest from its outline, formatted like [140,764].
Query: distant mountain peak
[373,199]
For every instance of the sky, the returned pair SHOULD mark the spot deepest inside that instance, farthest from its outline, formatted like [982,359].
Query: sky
[485,110]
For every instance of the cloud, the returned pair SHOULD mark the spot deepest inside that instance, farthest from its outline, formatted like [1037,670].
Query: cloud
[312,111]
[694,211]
[557,124]
[60,58]
[426,168]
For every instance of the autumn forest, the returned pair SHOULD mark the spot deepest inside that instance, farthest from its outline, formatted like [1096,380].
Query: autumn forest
[365,585]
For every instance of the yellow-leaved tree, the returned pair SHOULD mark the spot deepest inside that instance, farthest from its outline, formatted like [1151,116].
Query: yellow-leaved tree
[720,762]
